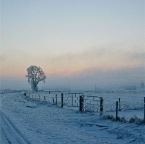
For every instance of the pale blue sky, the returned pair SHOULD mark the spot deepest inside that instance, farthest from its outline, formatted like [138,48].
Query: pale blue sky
[71,38]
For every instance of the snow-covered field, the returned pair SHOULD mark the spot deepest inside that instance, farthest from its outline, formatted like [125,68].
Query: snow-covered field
[25,120]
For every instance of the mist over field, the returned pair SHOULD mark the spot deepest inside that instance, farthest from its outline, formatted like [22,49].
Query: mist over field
[87,80]
[78,44]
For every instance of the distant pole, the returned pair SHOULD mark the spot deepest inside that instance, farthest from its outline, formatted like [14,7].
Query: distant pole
[144,109]
[95,88]
[116,110]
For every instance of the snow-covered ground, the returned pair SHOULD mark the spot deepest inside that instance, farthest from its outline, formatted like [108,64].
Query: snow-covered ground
[39,122]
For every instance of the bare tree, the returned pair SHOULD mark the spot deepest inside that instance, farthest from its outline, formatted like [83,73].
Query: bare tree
[35,75]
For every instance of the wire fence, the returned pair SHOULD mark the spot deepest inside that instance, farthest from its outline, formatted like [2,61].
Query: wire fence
[90,102]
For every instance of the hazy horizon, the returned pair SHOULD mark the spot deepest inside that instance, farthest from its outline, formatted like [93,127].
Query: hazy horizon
[78,44]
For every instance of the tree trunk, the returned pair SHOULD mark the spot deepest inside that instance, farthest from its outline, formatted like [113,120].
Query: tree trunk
[34,86]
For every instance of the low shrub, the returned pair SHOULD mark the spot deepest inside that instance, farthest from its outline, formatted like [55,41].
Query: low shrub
[134,119]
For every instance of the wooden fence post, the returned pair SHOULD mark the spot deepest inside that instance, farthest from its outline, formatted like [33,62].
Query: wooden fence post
[56,99]
[75,100]
[116,110]
[53,100]
[39,97]
[72,100]
[119,105]
[81,103]
[101,106]
[62,100]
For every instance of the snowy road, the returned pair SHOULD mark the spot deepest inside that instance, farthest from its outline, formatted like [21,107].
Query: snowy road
[9,133]
[3,138]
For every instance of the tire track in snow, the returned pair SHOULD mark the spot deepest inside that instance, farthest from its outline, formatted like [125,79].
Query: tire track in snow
[10,132]
[3,138]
